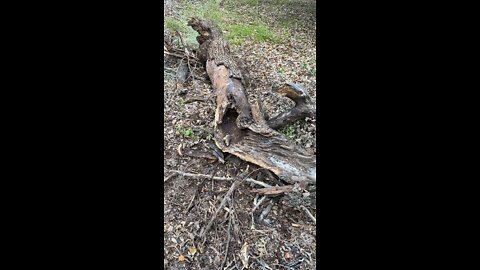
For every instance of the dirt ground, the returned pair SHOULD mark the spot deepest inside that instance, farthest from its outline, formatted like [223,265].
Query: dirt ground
[282,235]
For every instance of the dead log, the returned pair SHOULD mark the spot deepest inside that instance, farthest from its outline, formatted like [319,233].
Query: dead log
[240,126]
[304,107]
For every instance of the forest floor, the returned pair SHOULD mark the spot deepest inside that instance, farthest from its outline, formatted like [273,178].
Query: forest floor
[274,42]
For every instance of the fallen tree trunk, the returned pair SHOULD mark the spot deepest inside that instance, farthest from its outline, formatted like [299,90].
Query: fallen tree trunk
[240,126]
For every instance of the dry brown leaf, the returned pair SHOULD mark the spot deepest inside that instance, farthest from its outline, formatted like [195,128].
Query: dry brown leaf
[244,255]
[181,258]
[192,250]
[296,225]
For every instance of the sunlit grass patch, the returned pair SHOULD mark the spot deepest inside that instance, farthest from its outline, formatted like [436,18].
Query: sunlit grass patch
[237,33]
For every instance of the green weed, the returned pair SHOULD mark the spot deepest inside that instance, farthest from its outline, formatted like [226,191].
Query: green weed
[187,133]
[288,131]
[184,133]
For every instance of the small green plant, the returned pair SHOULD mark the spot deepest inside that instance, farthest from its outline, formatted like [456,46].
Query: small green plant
[288,131]
[281,70]
[187,133]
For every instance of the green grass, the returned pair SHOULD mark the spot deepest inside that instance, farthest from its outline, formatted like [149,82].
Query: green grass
[237,33]
[210,9]
[249,2]
[258,2]
[174,25]
[233,24]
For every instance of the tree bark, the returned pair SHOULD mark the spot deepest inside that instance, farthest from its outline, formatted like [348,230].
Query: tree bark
[240,126]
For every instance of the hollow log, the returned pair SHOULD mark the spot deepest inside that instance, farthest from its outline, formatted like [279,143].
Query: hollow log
[240,126]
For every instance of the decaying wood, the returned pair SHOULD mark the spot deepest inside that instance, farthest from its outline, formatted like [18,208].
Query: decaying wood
[304,107]
[274,190]
[240,126]
[277,190]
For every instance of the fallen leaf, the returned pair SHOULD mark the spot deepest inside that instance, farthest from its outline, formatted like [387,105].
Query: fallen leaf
[244,255]
[287,255]
[192,250]
[296,225]
[181,258]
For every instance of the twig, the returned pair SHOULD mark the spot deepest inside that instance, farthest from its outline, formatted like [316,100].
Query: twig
[228,232]
[284,266]
[191,201]
[255,208]
[235,184]
[182,40]
[229,264]
[199,175]
[174,54]
[257,182]
[309,214]
[170,176]
[265,211]
[202,176]
[262,263]
[274,190]
[187,52]
[222,204]
[193,58]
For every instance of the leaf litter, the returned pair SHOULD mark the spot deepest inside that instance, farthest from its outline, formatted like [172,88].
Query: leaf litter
[289,235]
